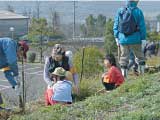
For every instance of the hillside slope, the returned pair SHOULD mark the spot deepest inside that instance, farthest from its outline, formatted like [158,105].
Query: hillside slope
[137,99]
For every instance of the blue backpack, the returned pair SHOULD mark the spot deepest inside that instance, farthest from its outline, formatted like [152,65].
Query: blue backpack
[127,23]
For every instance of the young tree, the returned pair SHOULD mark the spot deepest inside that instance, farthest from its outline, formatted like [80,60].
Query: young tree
[91,57]
[100,25]
[158,17]
[94,27]
[90,25]
[110,44]
[38,30]
[83,30]
[55,20]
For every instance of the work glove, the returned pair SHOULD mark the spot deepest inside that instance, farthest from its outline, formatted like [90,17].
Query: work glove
[50,84]
[117,41]
[143,46]
[144,43]
[5,69]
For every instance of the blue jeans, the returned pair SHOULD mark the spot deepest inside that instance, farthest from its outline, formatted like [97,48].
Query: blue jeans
[10,78]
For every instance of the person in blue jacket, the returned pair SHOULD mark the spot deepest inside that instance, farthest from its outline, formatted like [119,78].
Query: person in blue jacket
[132,41]
[8,62]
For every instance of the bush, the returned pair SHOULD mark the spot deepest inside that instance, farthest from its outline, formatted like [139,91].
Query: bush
[91,62]
[88,87]
[32,57]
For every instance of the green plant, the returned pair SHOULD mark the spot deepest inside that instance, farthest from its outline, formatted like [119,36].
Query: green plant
[91,61]
[109,44]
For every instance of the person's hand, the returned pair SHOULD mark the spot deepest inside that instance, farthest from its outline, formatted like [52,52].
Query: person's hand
[50,84]
[117,42]
[144,42]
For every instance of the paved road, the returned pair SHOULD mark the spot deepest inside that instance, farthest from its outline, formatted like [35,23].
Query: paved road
[34,84]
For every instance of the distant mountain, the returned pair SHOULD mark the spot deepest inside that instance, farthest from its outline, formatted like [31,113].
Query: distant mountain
[83,9]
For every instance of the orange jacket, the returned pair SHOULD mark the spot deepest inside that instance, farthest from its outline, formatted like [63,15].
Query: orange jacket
[114,75]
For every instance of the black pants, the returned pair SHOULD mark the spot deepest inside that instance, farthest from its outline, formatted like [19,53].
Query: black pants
[1,100]
[109,86]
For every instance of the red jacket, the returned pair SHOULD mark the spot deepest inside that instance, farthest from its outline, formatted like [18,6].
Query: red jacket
[114,75]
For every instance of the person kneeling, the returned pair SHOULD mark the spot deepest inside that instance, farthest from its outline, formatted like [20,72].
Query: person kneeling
[61,91]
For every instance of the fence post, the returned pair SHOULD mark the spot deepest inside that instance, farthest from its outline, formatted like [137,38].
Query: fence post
[83,52]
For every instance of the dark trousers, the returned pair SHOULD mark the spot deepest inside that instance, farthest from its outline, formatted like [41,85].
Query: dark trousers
[109,86]
[1,100]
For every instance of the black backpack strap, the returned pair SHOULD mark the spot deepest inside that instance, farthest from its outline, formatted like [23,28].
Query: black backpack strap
[50,60]
[51,64]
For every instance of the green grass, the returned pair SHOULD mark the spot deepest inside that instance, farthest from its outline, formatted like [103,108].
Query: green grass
[137,99]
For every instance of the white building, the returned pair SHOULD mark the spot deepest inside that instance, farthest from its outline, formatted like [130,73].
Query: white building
[12,24]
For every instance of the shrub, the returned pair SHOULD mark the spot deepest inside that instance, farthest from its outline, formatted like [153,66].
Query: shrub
[88,87]
[32,57]
[91,62]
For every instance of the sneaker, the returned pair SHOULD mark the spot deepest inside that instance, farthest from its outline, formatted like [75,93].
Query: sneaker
[1,108]
[5,109]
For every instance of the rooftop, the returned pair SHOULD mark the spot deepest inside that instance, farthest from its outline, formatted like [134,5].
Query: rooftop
[11,15]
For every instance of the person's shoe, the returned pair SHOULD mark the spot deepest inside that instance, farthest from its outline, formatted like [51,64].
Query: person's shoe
[5,109]
[1,108]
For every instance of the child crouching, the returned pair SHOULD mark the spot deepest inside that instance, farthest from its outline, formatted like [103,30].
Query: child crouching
[61,91]
[113,78]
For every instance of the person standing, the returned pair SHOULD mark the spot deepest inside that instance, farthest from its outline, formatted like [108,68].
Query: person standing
[130,33]
[8,62]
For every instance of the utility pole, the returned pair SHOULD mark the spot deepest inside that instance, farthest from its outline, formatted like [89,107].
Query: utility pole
[74,20]
[158,27]
[41,50]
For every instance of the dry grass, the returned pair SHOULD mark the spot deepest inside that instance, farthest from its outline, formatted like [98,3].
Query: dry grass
[153,61]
